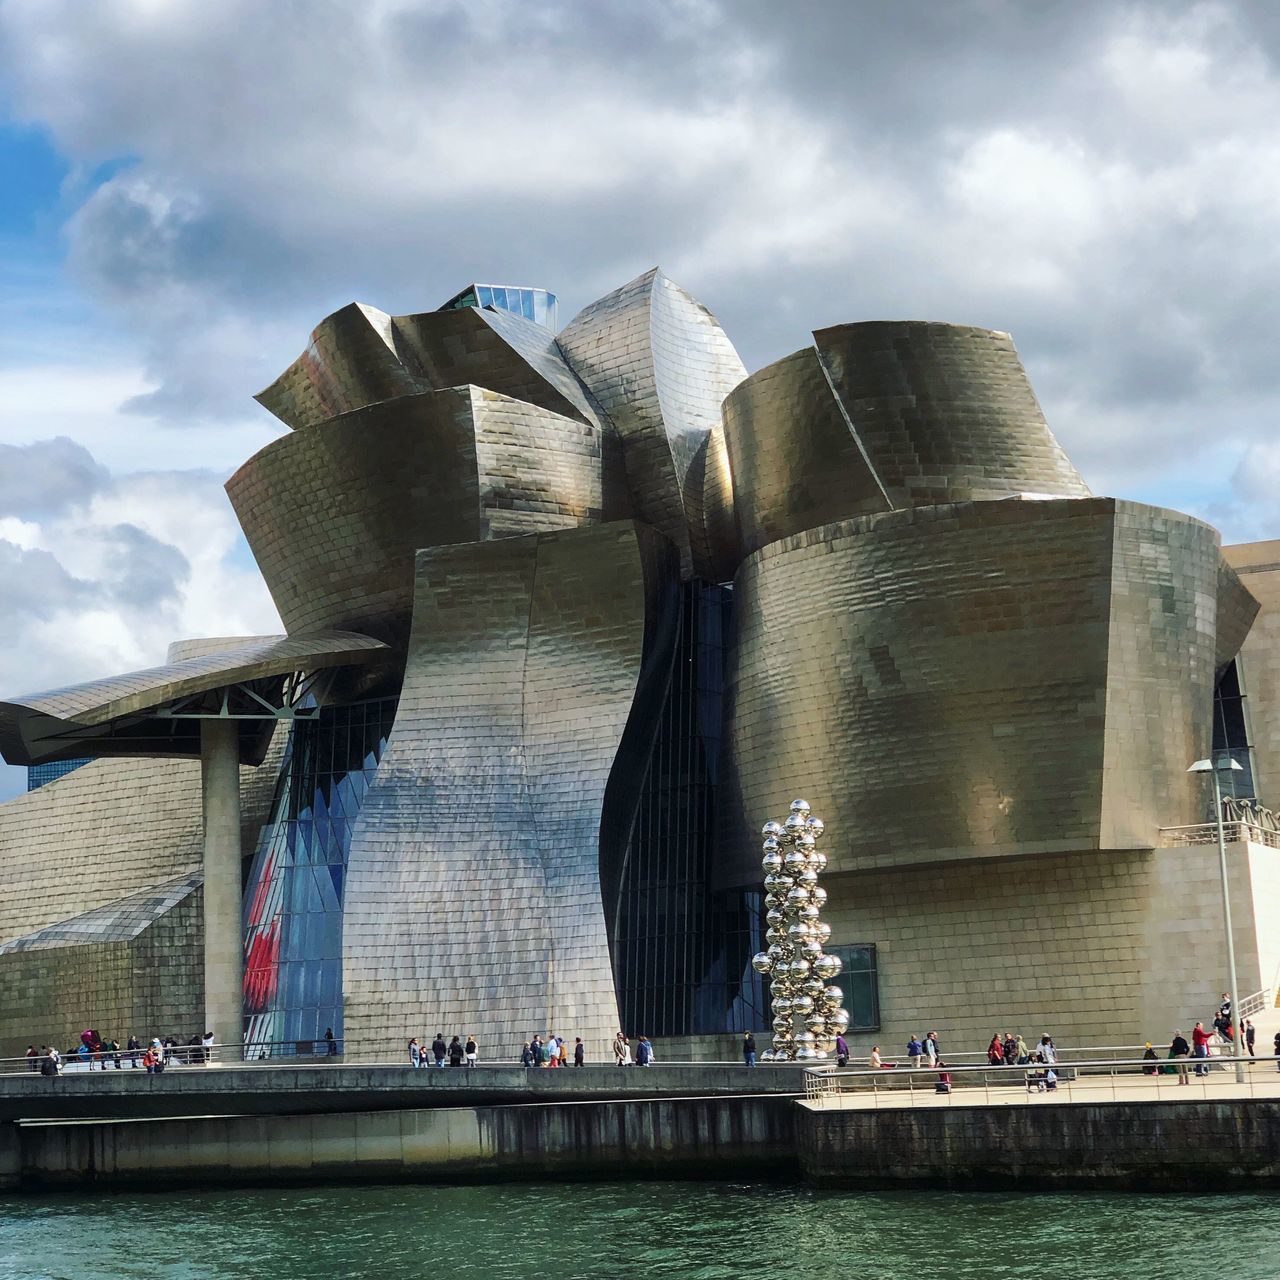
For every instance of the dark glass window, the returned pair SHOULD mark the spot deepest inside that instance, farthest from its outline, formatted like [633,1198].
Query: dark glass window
[858,982]
[40,774]
[682,954]
[1230,734]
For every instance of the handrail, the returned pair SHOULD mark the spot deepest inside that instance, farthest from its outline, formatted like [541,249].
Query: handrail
[1207,833]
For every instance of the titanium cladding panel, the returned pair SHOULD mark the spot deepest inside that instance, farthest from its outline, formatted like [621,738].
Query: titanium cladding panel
[659,365]
[945,412]
[334,514]
[473,888]
[999,677]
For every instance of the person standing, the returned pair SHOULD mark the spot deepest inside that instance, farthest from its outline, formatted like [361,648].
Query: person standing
[455,1052]
[415,1054]
[439,1049]
[1048,1050]
[644,1054]
[1250,1034]
[135,1047]
[931,1048]
[842,1050]
[526,1055]
[331,1042]
[1276,1048]
[995,1051]
[915,1050]
[1179,1050]
[469,1049]
[619,1048]
[1010,1048]
[749,1049]
[32,1064]
[579,1051]
[206,1047]
[1200,1047]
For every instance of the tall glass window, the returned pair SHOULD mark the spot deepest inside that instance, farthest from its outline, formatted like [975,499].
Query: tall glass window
[682,953]
[860,985]
[293,901]
[1231,733]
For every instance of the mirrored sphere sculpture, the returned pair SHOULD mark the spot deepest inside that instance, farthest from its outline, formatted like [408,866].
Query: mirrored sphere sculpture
[807,1014]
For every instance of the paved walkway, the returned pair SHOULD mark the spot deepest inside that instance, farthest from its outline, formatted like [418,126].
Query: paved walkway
[1220,1085]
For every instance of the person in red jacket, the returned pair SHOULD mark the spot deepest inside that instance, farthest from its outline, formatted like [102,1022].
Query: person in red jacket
[1200,1047]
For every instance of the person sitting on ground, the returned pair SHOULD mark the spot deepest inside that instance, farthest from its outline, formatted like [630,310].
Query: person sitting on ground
[944,1078]
[455,1052]
[1149,1055]
[874,1060]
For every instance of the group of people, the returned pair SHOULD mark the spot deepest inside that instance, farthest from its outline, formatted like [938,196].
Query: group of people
[1008,1049]
[455,1053]
[95,1050]
[1206,1044]
[554,1051]
[623,1056]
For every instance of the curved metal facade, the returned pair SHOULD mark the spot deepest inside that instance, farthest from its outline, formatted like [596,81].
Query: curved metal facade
[659,364]
[944,412]
[971,680]
[473,895]
[335,513]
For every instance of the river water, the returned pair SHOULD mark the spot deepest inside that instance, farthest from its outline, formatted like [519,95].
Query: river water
[569,1231]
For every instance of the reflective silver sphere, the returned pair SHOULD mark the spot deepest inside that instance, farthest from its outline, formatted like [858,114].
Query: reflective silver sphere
[811,950]
[812,987]
[799,968]
[806,1037]
[808,911]
[819,896]
[761,962]
[771,828]
[816,1023]
[777,883]
[781,1005]
[803,1005]
[767,1056]
[817,861]
[835,995]
[795,863]
[797,897]
[793,826]
[770,845]
[801,807]
[775,933]
[839,1019]
[782,968]
[771,863]
[783,1023]
[824,931]
[815,827]
[807,879]
[775,915]
[775,901]
[798,933]
[804,843]
[826,966]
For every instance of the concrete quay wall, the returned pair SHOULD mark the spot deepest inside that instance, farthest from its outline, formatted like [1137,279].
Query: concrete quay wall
[671,1137]
[1194,1145]
[273,1090]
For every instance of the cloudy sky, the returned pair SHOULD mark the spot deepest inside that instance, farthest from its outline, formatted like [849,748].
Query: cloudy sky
[186,188]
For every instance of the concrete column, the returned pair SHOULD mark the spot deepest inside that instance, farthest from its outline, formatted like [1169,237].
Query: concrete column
[223,941]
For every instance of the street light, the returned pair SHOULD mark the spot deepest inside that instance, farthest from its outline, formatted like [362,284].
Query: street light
[1225,764]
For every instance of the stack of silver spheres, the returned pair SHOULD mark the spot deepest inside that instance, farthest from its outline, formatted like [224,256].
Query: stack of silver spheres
[807,1013]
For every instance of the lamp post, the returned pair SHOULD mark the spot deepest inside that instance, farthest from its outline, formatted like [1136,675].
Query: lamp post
[1223,764]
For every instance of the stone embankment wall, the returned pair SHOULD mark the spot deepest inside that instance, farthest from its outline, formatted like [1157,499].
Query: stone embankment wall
[1201,1145]
[671,1137]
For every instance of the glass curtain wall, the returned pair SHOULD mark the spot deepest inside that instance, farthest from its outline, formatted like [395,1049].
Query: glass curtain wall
[682,953]
[293,900]
[1231,734]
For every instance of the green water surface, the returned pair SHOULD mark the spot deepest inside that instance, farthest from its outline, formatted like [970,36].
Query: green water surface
[676,1230]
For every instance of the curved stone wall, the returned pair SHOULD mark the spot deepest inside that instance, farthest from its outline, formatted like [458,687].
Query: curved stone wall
[971,680]
[473,899]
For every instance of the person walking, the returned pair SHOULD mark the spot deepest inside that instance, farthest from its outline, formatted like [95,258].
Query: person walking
[579,1051]
[439,1049]
[469,1049]
[749,1049]
[415,1053]
[620,1048]
[455,1052]
[1179,1050]
[1276,1049]
[1048,1051]
[1200,1048]
[842,1050]
[1250,1034]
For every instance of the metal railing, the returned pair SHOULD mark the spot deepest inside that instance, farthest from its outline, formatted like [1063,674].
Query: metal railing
[1207,833]
[1081,1080]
